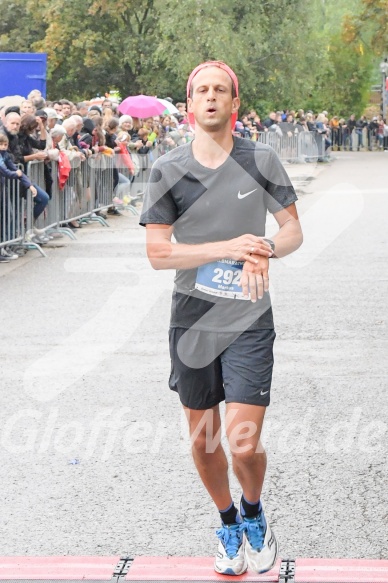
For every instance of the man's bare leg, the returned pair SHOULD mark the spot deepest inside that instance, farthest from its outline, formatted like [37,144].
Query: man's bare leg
[244,425]
[208,453]
[210,460]
[243,429]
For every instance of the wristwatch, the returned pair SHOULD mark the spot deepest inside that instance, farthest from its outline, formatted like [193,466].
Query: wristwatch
[271,244]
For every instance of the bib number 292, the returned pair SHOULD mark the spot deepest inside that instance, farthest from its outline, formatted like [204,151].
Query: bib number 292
[227,276]
[221,278]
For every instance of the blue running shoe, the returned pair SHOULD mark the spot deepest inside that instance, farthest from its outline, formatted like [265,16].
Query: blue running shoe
[261,548]
[230,557]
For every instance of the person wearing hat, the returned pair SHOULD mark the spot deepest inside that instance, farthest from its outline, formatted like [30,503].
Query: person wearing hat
[94,108]
[41,114]
[52,117]
[205,211]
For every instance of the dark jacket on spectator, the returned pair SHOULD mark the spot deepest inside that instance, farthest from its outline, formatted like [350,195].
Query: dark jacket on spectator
[361,123]
[8,170]
[87,132]
[351,124]
[110,140]
[27,145]
[268,122]
[14,147]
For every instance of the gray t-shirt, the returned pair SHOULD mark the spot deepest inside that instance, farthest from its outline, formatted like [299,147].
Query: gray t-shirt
[206,205]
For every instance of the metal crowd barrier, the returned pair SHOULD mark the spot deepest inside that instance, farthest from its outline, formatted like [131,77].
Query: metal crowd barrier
[12,213]
[342,140]
[16,217]
[310,146]
[87,191]
[299,147]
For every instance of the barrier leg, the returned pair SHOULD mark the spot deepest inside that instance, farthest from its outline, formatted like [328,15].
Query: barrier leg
[101,220]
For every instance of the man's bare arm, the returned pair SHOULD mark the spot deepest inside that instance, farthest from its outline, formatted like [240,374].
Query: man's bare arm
[164,254]
[290,236]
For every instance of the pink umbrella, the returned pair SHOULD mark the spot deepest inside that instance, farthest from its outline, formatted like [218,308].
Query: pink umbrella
[141,106]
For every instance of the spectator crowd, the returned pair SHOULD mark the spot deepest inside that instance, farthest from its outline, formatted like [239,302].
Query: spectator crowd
[68,133]
[338,133]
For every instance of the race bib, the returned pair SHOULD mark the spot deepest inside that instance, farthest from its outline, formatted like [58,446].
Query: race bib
[221,278]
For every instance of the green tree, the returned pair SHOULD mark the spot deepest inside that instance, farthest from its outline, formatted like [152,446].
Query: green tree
[96,44]
[17,30]
[370,26]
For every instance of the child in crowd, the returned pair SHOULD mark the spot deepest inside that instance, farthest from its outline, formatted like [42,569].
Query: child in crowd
[8,170]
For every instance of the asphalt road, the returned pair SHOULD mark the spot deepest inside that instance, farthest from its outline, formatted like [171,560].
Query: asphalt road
[94,453]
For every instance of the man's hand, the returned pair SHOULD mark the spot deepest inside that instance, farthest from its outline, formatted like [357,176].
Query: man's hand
[40,155]
[19,173]
[33,190]
[254,279]
[245,248]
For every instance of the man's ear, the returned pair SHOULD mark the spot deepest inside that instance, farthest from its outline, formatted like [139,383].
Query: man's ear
[189,105]
[236,104]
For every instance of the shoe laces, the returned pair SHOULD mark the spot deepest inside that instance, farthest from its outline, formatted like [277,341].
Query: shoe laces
[255,531]
[231,536]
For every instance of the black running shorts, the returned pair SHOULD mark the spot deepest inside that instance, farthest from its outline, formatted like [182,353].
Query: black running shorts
[210,367]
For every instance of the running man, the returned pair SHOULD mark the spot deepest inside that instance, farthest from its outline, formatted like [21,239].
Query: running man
[212,196]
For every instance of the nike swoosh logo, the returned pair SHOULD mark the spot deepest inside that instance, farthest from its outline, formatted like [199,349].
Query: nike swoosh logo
[262,394]
[240,196]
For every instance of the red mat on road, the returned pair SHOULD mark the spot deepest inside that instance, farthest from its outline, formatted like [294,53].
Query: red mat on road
[185,569]
[188,569]
[340,571]
[73,568]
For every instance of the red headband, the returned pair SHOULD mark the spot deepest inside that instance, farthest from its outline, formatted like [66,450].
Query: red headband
[222,66]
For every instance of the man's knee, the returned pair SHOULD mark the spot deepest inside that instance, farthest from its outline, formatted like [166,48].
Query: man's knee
[204,429]
[199,442]
[246,454]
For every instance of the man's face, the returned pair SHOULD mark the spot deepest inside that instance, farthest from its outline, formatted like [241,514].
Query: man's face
[58,107]
[83,110]
[212,103]
[12,123]
[106,103]
[182,109]
[70,129]
[27,107]
[56,140]
[66,110]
